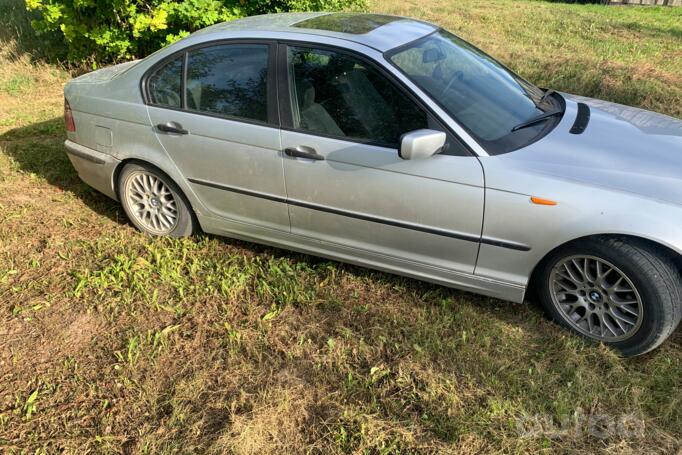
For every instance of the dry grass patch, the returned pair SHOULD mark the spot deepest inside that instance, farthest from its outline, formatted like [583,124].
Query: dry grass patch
[277,424]
[29,91]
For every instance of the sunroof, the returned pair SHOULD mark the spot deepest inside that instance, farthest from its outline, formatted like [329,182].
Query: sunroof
[354,23]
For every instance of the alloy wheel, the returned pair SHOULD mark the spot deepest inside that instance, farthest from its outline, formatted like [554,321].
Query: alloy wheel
[596,298]
[151,202]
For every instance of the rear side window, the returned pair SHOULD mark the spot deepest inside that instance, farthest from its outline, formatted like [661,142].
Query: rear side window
[165,84]
[229,80]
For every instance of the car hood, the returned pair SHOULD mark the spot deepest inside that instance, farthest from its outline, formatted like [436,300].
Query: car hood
[623,148]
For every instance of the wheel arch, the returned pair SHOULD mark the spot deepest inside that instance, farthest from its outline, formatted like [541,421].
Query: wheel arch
[191,201]
[675,255]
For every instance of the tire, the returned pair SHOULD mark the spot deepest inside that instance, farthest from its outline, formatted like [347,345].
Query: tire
[650,278]
[153,202]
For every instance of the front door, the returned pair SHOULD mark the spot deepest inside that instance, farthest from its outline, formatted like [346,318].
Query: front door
[346,184]
[219,125]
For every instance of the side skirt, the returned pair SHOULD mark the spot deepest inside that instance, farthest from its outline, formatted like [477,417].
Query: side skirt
[356,256]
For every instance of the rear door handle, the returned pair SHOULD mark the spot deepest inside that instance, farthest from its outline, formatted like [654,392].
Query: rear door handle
[172,127]
[303,151]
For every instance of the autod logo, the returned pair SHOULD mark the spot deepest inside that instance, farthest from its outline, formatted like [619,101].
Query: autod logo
[579,425]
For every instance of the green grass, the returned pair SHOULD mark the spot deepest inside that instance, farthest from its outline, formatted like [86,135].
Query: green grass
[112,342]
[17,85]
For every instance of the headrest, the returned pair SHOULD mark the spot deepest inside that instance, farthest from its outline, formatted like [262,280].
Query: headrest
[341,64]
[306,94]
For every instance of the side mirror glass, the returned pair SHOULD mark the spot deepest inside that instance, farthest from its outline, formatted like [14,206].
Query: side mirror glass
[421,144]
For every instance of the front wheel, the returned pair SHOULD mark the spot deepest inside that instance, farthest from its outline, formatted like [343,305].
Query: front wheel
[625,293]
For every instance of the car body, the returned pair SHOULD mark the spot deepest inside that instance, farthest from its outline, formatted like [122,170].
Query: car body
[480,216]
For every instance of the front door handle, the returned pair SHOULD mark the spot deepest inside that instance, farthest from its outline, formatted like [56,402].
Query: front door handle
[303,151]
[172,127]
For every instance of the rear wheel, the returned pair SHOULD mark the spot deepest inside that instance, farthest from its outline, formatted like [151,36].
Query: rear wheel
[153,202]
[625,293]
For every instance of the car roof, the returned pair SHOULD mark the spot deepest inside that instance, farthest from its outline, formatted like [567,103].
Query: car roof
[379,31]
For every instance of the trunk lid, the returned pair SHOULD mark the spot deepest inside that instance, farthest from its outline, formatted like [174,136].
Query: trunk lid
[104,74]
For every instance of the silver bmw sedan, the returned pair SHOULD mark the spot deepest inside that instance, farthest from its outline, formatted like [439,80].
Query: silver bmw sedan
[393,144]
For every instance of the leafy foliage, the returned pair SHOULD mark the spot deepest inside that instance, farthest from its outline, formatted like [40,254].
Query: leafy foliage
[99,31]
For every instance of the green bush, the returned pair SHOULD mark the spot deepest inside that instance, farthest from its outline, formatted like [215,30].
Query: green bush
[103,31]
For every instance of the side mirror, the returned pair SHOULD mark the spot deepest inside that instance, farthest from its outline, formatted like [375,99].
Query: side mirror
[421,144]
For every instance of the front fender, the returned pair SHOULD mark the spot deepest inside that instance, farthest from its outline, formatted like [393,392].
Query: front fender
[581,211]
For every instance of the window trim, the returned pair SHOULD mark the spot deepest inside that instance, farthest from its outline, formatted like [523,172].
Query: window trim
[155,68]
[271,81]
[285,106]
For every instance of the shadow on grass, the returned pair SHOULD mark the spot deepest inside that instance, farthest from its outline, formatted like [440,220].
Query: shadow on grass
[39,149]
[675,31]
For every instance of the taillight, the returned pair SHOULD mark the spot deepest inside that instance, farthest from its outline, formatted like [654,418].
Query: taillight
[68,117]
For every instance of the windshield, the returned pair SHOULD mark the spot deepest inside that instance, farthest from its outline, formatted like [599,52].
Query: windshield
[484,97]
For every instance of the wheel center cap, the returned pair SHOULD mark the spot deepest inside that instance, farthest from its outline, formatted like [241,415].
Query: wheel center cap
[154,202]
[595,296]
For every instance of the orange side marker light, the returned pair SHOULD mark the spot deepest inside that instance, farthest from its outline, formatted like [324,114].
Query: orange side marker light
[541,201]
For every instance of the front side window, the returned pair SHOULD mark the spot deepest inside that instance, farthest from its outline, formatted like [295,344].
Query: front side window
[478,92]
[229,80]
[165,84]
[336,94]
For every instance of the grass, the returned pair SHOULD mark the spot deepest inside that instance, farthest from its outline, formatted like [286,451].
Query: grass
[112,342]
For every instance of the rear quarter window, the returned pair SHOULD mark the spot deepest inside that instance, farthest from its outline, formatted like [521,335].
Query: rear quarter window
[165,84]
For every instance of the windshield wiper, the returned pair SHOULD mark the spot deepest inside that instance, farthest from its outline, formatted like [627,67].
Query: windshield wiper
[549,92]
[537,119]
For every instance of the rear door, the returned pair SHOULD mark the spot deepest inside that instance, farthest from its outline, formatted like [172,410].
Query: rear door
[214,110]
[346,183]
